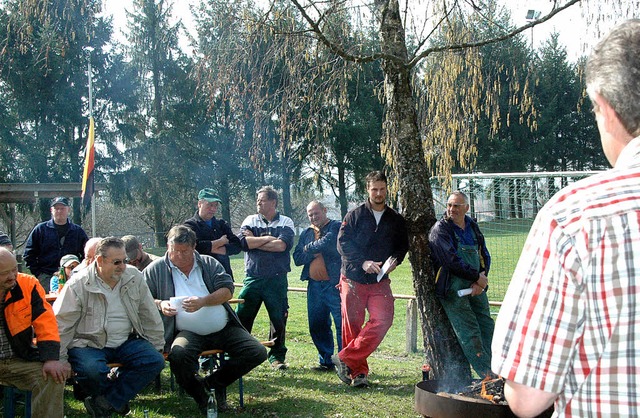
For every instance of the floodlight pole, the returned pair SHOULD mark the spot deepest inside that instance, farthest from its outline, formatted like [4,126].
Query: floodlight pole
[532,15]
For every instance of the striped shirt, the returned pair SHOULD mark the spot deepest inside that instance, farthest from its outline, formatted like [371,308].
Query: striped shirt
[260,263]
[570,322]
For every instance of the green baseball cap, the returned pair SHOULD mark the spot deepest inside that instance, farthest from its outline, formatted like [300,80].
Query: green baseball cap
[210,195]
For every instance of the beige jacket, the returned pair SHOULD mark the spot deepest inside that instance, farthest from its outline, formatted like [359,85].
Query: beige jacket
[81,310]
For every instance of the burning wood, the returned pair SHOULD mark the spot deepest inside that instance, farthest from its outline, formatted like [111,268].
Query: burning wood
[489,389]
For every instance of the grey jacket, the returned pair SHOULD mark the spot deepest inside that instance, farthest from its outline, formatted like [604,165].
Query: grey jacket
[81,310]
[160,281]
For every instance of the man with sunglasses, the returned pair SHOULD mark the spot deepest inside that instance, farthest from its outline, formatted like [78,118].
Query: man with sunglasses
[106,314]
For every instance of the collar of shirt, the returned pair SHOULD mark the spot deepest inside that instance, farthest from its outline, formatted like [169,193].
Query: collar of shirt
[629,154]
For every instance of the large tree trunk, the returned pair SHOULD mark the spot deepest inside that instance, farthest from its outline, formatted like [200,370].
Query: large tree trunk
[403,151]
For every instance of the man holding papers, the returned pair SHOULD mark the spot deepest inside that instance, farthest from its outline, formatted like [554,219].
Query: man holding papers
[462,262]
[372,239]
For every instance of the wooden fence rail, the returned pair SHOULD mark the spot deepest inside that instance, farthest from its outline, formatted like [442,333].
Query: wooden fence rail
[411,326]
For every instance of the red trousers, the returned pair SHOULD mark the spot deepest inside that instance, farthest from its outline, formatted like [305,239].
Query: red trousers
[359,342]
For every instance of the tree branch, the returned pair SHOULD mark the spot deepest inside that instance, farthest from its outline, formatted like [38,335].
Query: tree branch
[343,53]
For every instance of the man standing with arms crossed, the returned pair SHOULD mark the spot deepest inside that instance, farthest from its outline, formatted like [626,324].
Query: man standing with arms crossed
[215,237]
[373,241]
[267,238]
[568,331]
[317,252]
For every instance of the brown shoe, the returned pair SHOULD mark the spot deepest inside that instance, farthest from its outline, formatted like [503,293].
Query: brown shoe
[278,365]
[360,381]
[342,370]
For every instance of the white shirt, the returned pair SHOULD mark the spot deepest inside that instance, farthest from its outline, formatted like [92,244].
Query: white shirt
[206,320]
[118,326]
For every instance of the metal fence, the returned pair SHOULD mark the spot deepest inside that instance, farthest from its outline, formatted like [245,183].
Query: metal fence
[505,205]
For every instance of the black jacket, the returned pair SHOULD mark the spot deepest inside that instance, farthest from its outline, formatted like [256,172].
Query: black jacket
[205,234]
[360,239]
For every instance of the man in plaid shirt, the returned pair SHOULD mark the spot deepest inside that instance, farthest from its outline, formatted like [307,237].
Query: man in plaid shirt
[569,329]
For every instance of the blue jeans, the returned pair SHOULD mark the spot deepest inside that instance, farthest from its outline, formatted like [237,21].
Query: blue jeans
[323,302]
[141,364]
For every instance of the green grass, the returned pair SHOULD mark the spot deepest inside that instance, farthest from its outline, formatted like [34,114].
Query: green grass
[301,392]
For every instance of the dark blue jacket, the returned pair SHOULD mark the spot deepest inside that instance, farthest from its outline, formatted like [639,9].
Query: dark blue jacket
[444,254]
[43,250]
[360,239]
[260,263]
[205,234]
[308,247]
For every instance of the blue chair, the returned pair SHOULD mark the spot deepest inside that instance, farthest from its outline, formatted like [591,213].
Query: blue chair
[11,395]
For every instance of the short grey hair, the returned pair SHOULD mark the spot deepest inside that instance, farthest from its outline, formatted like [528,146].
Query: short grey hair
[106,243]
[613,71]
[181,234]
[459,193]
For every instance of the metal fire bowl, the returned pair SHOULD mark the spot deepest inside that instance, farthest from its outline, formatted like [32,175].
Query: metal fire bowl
[429,404]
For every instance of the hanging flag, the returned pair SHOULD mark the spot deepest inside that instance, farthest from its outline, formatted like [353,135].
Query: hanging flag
[87,175]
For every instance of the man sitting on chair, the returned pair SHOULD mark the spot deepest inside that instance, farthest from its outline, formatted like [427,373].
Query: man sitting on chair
[201,320]
[106,315]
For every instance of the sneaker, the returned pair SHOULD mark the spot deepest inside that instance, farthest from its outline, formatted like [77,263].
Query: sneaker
[97,409]
[278,365]
[360,381]
[341,369]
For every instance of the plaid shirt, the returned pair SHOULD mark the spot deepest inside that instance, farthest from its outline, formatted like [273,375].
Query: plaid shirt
[570,322]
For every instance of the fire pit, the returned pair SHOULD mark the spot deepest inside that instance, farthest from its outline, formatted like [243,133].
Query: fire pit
[432,402]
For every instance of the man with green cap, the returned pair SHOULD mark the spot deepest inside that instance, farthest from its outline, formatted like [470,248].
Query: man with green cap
[214,236]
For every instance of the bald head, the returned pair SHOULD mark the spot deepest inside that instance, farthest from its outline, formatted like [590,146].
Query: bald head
[317,214]
[8,270]
[90,249]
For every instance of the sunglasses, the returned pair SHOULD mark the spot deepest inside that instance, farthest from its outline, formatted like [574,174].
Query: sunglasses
[118,262]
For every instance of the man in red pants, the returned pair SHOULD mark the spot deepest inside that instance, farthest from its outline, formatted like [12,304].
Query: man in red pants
[372,242]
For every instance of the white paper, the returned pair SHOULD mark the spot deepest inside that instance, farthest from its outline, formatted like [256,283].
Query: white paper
[464,292]
[385,268]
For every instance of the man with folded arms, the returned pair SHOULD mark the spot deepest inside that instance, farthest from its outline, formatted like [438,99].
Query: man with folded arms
[201,319]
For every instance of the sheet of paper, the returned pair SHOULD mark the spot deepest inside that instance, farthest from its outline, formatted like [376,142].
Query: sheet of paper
[385,268]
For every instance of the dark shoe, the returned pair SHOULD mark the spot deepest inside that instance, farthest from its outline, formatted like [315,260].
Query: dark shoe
[360,381]
[342,370]
[79,392]
[124,411]
[324,368]
[221,399]
[279,365]
[97,408]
